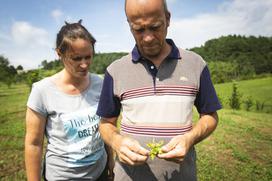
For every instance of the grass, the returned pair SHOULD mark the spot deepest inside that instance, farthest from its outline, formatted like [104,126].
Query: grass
[12,130]
[257,89]
[239,149]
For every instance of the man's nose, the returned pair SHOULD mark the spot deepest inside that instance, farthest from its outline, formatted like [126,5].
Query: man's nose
[148,36]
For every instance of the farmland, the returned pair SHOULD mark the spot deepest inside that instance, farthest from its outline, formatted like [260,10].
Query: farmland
[239,149]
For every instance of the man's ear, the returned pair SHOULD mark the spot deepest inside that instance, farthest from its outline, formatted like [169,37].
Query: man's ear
[168,17]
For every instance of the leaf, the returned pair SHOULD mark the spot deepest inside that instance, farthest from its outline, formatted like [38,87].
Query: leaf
[155,148]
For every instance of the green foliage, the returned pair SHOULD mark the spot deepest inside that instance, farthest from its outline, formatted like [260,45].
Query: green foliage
[7,72]
[98,65]
[222,71]
[234,101]
[52,65]
[102,60]
[33,76]
[248,55]
[259,90]
[248,103]
[155,148]
[259,105]
[19,67]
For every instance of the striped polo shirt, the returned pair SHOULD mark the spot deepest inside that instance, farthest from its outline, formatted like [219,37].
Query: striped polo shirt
[157,104]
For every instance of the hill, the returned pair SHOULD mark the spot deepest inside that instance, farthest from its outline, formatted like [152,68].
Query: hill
[248,53]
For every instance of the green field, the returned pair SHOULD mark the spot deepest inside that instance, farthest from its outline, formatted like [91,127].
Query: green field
[12,130]
[258,90]
[239,149]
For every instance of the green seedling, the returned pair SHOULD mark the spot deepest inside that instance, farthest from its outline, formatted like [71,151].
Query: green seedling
[155,148]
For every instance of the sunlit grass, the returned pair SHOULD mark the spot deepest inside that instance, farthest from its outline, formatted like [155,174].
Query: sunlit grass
[239,149]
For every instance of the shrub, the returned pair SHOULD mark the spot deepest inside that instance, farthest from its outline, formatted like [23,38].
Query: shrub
[259,105]
[248,103]
[234,101]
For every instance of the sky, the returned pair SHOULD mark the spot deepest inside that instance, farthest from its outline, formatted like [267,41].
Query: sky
[28,28]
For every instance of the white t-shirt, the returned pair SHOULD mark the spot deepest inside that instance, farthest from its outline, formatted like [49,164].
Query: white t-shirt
[75,149]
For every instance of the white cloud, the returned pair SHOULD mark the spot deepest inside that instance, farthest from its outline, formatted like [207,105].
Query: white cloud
[115,41]
[57,14]
[27,45]
[233,17]
[23,33]
[3,37]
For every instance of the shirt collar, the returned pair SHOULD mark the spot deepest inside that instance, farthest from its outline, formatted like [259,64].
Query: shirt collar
[174,54]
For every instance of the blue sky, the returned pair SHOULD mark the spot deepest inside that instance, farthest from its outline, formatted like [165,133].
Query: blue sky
[28,28]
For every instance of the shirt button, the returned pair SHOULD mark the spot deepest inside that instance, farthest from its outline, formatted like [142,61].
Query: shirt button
[152,67]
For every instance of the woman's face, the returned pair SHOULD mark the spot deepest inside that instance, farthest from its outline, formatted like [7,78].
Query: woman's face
[78,59]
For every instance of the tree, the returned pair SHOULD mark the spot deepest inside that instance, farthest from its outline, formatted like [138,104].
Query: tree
[7,72]
[251,54]
[102,60]
[19,67]
[33,76]
[234,101]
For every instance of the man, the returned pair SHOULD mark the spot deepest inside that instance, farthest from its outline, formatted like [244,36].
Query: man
[156,87]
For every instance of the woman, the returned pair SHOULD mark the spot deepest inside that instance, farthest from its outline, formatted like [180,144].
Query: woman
[63,108]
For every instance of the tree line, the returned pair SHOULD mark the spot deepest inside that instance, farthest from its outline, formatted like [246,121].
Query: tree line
[232,57]
[237,57]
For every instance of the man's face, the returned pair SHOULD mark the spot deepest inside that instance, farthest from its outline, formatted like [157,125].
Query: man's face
[148,23]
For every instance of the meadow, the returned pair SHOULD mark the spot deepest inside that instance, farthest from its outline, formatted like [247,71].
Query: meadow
[258,90]
[239,149]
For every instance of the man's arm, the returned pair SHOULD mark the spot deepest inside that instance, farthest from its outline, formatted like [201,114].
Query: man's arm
[128,150]
[110,162]
[35,125]
[178,147]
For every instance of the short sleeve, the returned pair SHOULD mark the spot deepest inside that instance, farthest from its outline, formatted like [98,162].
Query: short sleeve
[206,99]
[109,104]
[36,101]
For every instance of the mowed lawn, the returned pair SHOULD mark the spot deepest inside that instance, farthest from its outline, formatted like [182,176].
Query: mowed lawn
[239,149]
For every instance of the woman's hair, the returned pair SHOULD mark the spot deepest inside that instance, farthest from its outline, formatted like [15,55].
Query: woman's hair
[69,33]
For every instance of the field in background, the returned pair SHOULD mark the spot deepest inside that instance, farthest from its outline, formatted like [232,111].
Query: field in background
[12,130]
[256,89]
[239,149]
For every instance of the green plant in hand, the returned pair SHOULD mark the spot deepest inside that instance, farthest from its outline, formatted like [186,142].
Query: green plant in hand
[155,148]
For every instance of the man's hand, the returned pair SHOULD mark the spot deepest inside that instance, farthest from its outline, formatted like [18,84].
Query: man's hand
[177,148]
[129,151]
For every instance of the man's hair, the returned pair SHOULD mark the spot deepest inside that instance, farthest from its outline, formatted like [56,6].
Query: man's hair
[69,33]
[164,6]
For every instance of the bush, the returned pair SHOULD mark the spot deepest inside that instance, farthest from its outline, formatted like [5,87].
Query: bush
[234,101]
[33,76]
[259,106]
[248,103]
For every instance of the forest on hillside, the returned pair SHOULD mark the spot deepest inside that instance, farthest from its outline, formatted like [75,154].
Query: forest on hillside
[237,57]
[232,57]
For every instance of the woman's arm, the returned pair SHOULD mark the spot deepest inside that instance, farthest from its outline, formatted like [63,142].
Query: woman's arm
[35,126]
